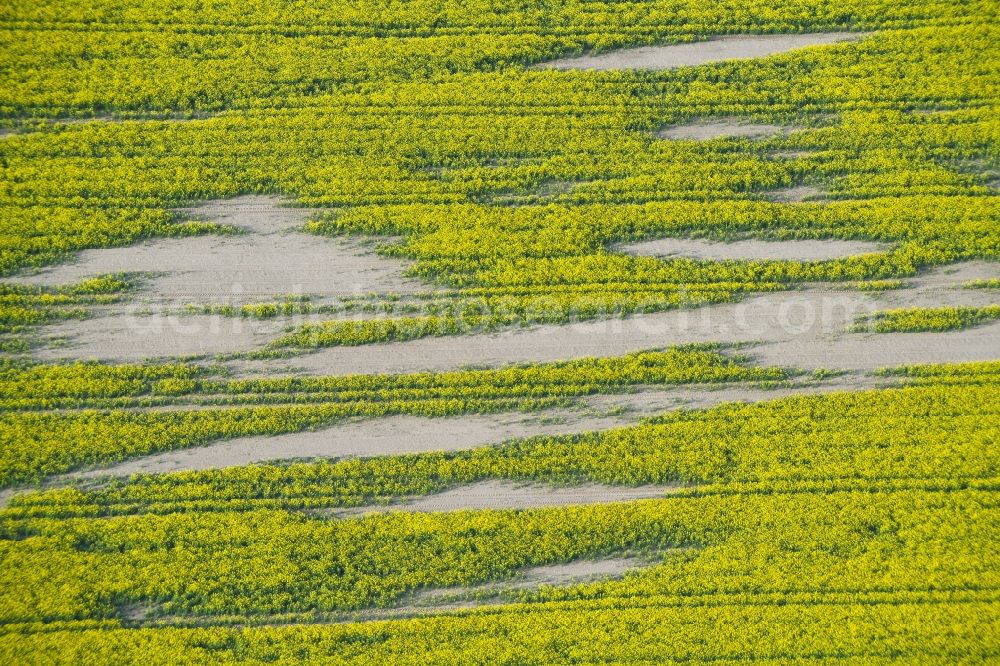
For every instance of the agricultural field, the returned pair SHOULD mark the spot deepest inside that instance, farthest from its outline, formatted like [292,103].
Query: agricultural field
[564,332]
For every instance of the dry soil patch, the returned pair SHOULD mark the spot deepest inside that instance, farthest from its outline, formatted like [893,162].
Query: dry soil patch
[131,335]
[729,47]
[391,435]
[792,194]
[507,495]
[791,154]
[799,250]
[526,580]
[870,351]
[705,130]
[654,401]
[806,322]
[401,434]
[272,258]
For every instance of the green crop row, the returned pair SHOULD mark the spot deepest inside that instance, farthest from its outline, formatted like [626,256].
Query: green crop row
[809,508]
[826,503]
[911,320]
[938,429]
[430,161]
[30,305]
[982,284]
[168,57]
[42,443]
[262,562]
[25,385]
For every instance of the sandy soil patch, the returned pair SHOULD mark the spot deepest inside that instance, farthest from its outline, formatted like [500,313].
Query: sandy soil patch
[793,319]
[870,351]
[507,495]
[943,285]
[797,193]
[551,190]
[526,580]
[395,435]
[130,336]
[791,154]
[723,127]
[391,435]
[271,259]
[654,401]
[729,47]
[800,250]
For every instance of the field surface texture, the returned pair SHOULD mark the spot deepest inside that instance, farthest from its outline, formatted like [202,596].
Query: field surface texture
[443,332]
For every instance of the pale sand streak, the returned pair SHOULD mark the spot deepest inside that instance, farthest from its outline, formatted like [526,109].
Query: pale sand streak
[730,47]
[802,250]
[804,322]
[396,435]
[499,495]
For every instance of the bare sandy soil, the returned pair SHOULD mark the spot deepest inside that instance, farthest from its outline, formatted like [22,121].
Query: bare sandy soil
[395,435]
[802,250]
[531,578]
[132,334]
[794,319]
[792,194]
[730,47]
[507,495]
[391,435]
[870,351]
[272,258]
[653,401]
[705,130]
[805,319]
[791,154]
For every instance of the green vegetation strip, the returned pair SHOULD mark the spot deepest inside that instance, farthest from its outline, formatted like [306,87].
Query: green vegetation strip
[913,320]
[455,123]
[877,508]
[27,305]
[941,427]
[42,443]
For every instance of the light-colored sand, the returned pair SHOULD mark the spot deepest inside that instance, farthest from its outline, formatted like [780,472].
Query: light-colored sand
[271,259]
[804,320]
[791,154]
[396,435]
[804,329]
[801,250]
[869,351]
[527,579]
[548,190]
[653,401]
[364,438]
[797,193]
[730,47]
[507,495]
[130,335]
[582,570]
[720,127]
